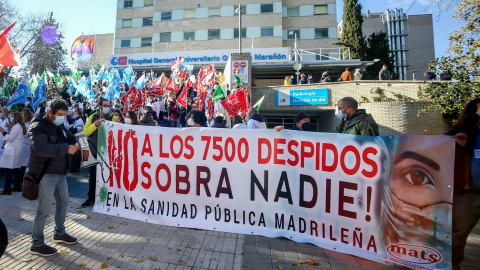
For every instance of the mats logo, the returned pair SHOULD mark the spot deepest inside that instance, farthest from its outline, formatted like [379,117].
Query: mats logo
[414,253]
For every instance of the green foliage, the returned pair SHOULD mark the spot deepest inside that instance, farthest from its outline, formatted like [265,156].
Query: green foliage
[449,98]
[380,96]
[378,48]
[352,35]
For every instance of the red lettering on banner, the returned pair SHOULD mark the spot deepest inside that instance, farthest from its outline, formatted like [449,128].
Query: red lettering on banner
[189,147]
[343,199]
[243,158]
[229,156]
[115,156]
[148,184]
[304,154]
[331,147]
[278,151]
[126,183]
[355,168]
[182,179]
[162,154]
[216,146]
[263,141]
[293,153]
[172,142]
[368,161]
[207,146]
[147,147]
[169,177]
[203,181]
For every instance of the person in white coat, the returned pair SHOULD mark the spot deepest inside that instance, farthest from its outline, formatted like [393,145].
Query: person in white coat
[78,121]
[13,151]
[17,183]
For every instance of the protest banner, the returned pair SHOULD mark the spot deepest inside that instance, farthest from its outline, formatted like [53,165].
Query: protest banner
[385,199]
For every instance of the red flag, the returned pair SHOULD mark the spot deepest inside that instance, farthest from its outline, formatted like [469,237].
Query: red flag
[247,101]
[235,103]
[8,57]
[132,99]
[201,100]
[158,87]
[88,44]
[182,99]
[171,85]
[176,65]
[183,74]
[210,107]
[189,83]
[209,78]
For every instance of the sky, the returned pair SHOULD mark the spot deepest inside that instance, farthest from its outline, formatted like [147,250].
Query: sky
[98,16]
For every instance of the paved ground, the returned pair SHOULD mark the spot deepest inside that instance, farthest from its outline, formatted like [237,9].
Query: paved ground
[120,243]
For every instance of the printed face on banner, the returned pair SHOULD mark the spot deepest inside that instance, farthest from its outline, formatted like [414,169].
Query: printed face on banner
[379,198]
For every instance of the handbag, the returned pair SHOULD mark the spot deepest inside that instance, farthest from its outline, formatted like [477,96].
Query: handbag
[31,183]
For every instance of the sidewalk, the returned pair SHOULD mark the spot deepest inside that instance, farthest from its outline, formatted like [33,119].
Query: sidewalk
[107,242]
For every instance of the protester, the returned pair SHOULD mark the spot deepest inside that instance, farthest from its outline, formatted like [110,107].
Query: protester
[325,78]
[310,79]
[27,117]
[199,119]
[466,193]
[302,122]
[293,80]
[238,122]
[384,74]
[103,113]
[346,75]
[303,79]
[353,120]
[430,75]
[286,81]
[219,122]
[131,118]
[445,76]
[357,76]
[147,120]
[78,123]
[118,114]
[51,146]
[255,120]
[11,158]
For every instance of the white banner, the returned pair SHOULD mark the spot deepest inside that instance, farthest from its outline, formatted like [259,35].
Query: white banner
[379,198]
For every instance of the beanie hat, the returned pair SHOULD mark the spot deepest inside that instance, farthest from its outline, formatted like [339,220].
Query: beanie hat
[300,116]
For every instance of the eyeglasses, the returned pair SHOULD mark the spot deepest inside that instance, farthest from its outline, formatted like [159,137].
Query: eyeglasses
[341,109]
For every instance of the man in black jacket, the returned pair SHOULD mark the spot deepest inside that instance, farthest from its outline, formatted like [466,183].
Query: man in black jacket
[51,145]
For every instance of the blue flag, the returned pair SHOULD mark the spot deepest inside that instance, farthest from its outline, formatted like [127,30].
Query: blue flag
[140,82]
[152,75]
[20,95]
[40,94]
[71,85]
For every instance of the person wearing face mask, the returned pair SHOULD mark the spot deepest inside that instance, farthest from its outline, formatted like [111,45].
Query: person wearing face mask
[90,129]
[466,193]
[51,146]
[353,120]
[78,123]
[384,74]
[255,120]
[302,122]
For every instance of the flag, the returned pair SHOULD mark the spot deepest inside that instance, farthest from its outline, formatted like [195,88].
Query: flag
[183,74]
[140,82]
[100,74]
[209,78]
[76,49]
[157,87]
[132,99]
[128,74]
[238,82]
[40,94]
[76,73]
[188,67]
[258,103]
[71,85]
[82,50]
[218,95]
[189,82]
[177,64]
[57,78]
[201,100]
[235,103]
[8,57]
[20,95]
[210,107]
[171,85]
[182,99]
[152,76]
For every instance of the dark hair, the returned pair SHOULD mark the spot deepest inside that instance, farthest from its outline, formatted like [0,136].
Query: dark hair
[467,122]
[237,119]
[350,102]
[56,105]
[219,122]
[348,68]
[120,115]
[199,118]
[100,102]
[133,117]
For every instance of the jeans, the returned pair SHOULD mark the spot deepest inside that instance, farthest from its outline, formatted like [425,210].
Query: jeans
[10,175]
[52,185]
[466,213]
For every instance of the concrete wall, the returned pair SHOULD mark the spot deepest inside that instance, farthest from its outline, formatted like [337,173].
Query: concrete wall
[421,44]
[393,118]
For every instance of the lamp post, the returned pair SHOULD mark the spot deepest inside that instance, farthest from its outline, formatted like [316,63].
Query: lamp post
[239,12]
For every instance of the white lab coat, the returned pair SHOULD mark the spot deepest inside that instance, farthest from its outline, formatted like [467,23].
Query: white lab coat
[26,148]
[13,151]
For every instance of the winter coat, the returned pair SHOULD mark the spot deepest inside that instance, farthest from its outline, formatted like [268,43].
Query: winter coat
[360,123]
[384,75]
[13,150]
[256,122]
[26,148]
[90,130]
[49,141]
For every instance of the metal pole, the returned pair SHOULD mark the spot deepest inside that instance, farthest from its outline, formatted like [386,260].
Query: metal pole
[296,59]
[240,28]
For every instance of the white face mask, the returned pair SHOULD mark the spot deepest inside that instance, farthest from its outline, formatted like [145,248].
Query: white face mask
[128,121]
[190,122]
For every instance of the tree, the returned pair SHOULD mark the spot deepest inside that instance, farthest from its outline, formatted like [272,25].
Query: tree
[378,48]
[44,56]
[352,35]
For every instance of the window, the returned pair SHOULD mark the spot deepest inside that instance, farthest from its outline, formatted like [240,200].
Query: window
[267,31]
[321,33]
[127,3]
[146,42]
[214,34]
[189,35]
[125,43]
[165,37]
[148,2]
[244,32]
[147,21]
[266,8]
[166,16]
[320,9]
[126,23]
[213,12]
[291,34]
[189,14]
[292,11]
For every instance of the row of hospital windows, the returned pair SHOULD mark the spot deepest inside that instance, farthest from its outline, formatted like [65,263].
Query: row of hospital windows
[215,34]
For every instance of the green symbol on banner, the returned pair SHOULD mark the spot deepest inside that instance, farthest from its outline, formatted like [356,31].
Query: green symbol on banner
[103,194]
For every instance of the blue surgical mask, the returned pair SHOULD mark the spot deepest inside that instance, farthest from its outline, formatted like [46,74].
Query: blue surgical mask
[342,115]
[59,120]
[106,110]
[11,119]
[75,116]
